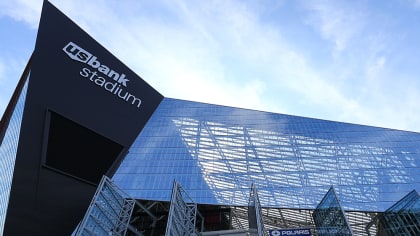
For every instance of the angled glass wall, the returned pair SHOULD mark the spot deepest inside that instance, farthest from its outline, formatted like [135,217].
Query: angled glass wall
[8,149]
[216,152]
[403,218]
[329,217]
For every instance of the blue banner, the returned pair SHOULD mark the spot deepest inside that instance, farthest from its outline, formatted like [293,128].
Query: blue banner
[290,232]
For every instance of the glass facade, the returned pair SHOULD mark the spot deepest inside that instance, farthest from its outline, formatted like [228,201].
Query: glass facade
[216,152]
[329,217]
[8,149]
[403,218]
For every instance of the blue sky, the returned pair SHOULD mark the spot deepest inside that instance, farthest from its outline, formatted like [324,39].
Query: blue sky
[352,61]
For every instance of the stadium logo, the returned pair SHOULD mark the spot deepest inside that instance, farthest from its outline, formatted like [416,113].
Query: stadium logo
[100,74]
[79,54]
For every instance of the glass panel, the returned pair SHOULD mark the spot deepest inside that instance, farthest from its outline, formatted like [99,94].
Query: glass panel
[329,217]
[403,218]
[216,152]
[8,150]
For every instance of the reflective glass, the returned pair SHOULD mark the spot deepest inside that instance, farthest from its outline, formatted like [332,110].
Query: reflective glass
[216,152]
[403,218]
[8,149]
[329,217]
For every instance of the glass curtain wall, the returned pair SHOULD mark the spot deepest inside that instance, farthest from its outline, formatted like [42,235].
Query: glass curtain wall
[403,218]
[217,152]
[8,150]
[329,217]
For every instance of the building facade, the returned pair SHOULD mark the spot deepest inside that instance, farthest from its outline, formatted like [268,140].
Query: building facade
[79,114]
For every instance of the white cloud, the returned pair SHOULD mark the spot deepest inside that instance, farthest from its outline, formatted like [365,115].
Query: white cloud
[223,52]
[180,60]
[336,21]
[218,53]
[27,11]
[374,68]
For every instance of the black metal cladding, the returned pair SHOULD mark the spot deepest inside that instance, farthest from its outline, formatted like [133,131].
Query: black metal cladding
[89,88]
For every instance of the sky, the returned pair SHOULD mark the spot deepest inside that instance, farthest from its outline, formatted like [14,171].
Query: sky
[351,61]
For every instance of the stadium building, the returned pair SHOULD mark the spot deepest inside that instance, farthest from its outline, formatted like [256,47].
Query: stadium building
[89,148]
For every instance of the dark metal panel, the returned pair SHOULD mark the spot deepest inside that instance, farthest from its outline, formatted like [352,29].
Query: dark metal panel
[73,75]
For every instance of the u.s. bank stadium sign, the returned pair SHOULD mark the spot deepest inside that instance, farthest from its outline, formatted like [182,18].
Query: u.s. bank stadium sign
[101,75]
[290,232]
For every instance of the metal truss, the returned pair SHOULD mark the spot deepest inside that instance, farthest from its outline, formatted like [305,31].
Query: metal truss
[109,212]
[330,218]
[182,218]
[255,219]
[401,219]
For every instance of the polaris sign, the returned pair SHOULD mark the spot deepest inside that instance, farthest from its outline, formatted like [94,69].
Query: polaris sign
[100,74]
[290,232]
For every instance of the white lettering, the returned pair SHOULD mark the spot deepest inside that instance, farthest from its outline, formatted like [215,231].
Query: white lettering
[77,53]
[81,55]
[292,232]
[112,87]
[85,72]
